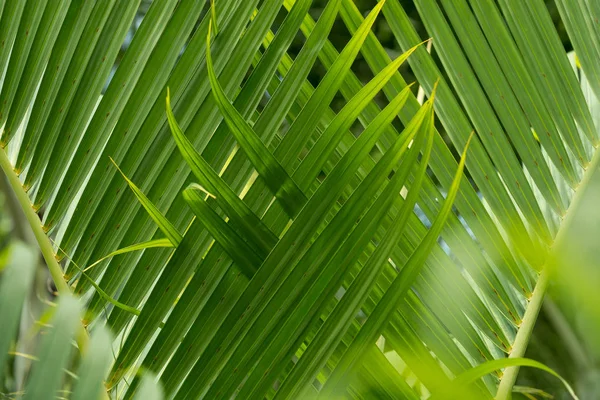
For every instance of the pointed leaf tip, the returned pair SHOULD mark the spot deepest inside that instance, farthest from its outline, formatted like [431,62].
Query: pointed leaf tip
[195,186]
[164,242]
[434,90]
[378,8]
[275,176]
[163,223]
[464,153]
[213,15]
[428,41]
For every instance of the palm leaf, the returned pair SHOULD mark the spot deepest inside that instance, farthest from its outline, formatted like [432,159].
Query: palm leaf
[316,243]
[17,276]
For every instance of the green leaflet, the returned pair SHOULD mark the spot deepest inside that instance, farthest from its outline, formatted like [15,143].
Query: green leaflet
[330,334]
[28,27]
[274,175]
[182,264]
[216,307]
[109,299]
[16,279]
[238,212]
[142,158]
[538,14]
[213,16]
[578,19]
[546,71]
[313,162]
[102,293]
[468,205]
[352,87]
[488,71]
[163,223]
[74,110]
[150,388]
[386,306]
[39,154]
[442,164]
[193,387]
[481,370]
[202,285]
[110,108]
[412,269]
[286,269]
[491,134]
[457,126]
[326,284]
[9,26]
[142,105]
[80,12]
[241,253]
[168,180]
[55,350]
[408,342]
[319,255]
[309,116]
[239,169]
[164,242]
[389,379]
[39,54]
[532,101]
[94,367]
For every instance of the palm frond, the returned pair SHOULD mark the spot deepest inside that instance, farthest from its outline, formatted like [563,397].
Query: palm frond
[312,248]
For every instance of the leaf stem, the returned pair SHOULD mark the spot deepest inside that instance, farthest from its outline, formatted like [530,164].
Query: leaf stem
[524,334]
[16,214]
[43,242]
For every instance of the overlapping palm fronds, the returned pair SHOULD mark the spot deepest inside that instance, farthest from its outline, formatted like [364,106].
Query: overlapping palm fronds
[271,246]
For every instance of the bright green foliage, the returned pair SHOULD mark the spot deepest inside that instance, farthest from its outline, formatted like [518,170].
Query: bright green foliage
[163,223]
[17,276]
[263,236]
[52,364]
